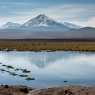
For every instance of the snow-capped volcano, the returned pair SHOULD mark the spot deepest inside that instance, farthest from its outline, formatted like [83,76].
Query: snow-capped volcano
[10,25]
[41,21]
[43,27]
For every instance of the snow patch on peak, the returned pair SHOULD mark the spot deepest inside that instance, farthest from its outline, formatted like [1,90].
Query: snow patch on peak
[71,25]
[41,20]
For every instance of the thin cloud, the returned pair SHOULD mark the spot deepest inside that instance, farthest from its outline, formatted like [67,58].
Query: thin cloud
[75,13]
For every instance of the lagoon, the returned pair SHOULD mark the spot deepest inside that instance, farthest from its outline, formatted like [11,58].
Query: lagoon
[48,69]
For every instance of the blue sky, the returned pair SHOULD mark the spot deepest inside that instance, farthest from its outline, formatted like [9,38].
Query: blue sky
[76,11]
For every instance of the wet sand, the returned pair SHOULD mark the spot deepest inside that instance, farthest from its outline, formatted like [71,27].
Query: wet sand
[66,90]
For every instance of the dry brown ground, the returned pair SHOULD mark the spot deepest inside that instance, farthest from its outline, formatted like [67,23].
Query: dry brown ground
[66,90]
[14,90]
[37,45]
[69,90]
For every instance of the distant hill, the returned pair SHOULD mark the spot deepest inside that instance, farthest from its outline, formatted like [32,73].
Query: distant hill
[10,25]
[83,33]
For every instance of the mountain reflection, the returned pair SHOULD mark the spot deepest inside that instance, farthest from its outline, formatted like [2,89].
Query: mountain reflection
[48,68]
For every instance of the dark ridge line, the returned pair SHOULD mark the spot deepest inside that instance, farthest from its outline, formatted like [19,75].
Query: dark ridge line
[52,40]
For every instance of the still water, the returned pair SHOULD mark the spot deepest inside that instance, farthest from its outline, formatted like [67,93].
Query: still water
[48,68]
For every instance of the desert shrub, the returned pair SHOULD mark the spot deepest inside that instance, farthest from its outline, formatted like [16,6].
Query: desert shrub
[25,90]
[6,86]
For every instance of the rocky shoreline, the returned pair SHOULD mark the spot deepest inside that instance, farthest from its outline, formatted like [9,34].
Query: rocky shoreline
[66,90]
[14,90]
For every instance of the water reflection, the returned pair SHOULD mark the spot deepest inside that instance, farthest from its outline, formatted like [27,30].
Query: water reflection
[50,68]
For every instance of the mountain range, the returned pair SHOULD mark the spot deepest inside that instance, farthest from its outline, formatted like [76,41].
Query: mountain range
[41,21]
[43,27]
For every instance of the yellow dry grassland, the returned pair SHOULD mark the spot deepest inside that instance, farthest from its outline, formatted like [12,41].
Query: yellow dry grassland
[32,45]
